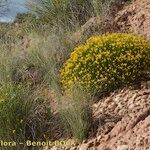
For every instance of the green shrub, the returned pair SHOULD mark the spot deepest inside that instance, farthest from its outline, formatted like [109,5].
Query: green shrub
[107,62]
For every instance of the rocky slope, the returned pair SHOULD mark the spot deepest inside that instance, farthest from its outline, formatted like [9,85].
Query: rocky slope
[123,121]
[135,18]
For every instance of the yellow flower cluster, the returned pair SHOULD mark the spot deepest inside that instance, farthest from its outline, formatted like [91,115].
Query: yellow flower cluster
[106,62]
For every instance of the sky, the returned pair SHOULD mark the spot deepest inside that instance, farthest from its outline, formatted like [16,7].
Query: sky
[14,7]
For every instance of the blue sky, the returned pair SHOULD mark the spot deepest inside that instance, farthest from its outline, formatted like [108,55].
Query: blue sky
[14,7]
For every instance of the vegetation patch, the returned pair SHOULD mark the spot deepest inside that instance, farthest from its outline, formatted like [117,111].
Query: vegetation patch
[76,113]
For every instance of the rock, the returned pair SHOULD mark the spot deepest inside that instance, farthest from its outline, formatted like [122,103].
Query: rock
[73,148]
[135,18]
[83,147]
[122,147]
[134,131]
[91,143]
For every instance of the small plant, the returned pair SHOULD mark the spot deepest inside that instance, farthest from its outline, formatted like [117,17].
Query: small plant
[76,113]
[106,62]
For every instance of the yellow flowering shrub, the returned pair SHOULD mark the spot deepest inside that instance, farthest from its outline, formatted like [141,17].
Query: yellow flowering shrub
[107,61]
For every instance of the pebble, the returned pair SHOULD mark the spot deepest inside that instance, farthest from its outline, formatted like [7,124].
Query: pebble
[122,147]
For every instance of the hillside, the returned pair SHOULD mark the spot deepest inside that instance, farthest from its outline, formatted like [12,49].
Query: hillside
[122,119]
[75,75]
